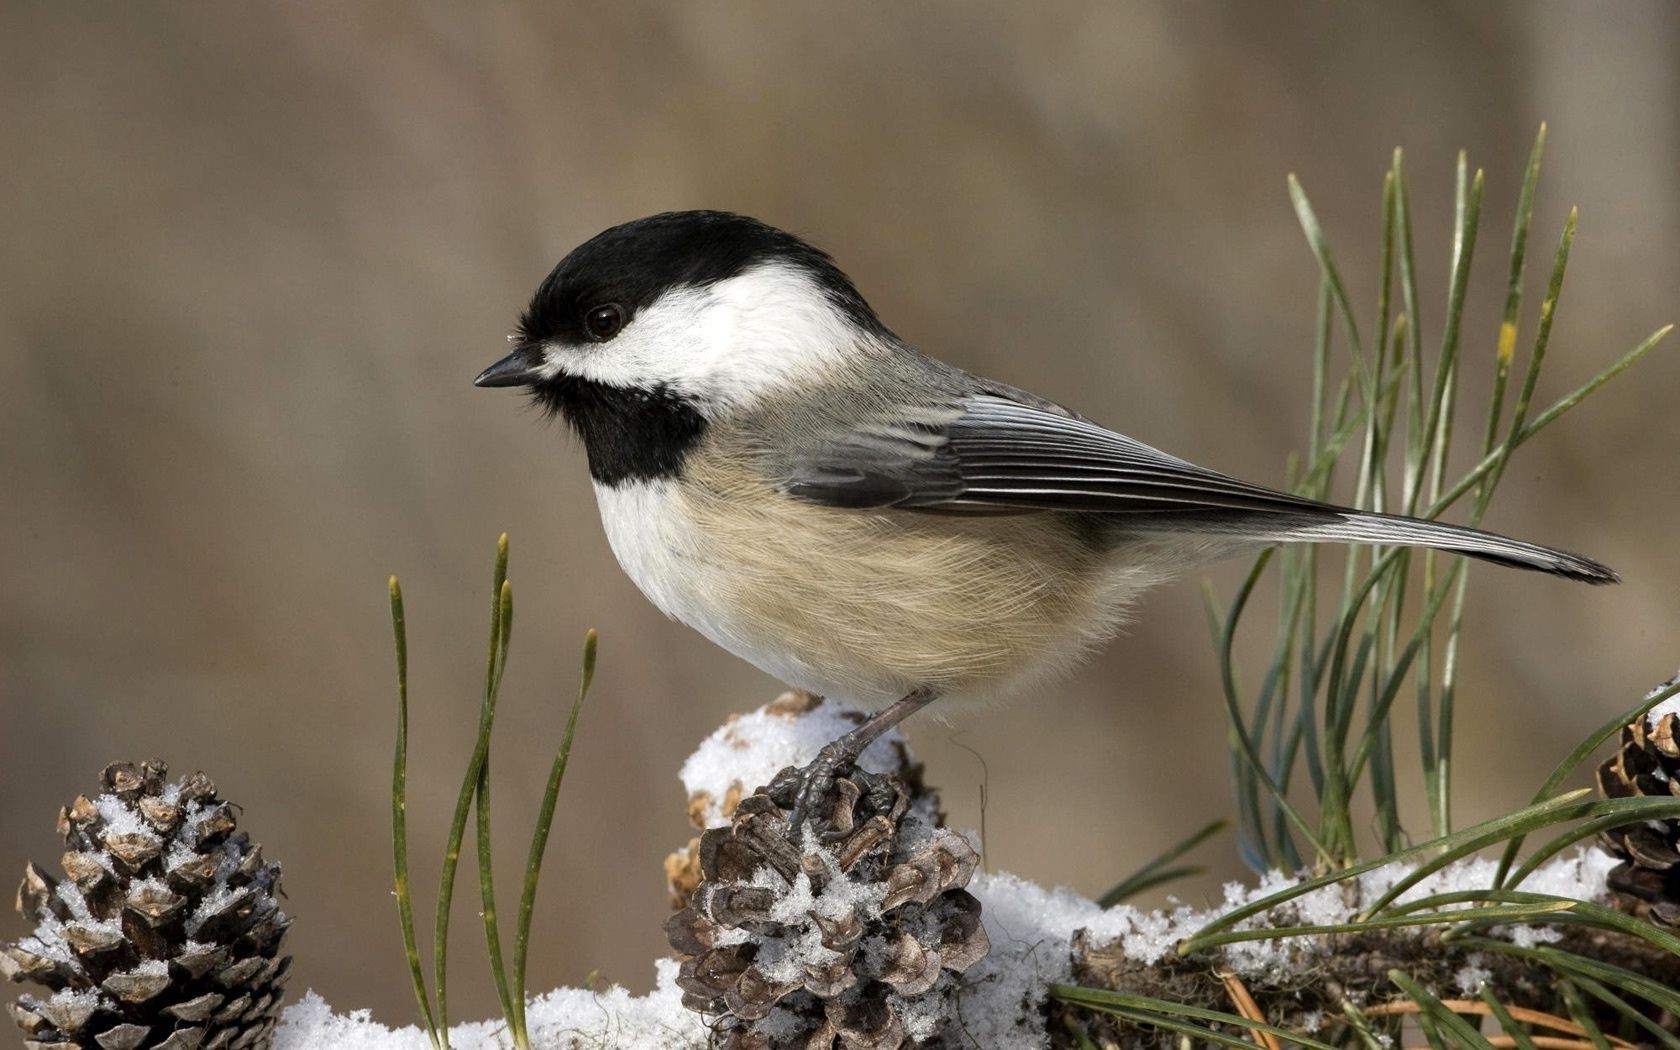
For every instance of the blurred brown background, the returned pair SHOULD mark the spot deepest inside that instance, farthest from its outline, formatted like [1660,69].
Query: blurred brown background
[251,256]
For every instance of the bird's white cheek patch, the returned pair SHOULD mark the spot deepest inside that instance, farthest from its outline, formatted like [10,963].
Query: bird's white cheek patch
[727,344]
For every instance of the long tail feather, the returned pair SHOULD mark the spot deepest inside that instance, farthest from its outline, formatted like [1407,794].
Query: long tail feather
[1396,531]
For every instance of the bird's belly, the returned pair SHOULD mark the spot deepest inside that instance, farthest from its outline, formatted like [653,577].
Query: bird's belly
[866,606]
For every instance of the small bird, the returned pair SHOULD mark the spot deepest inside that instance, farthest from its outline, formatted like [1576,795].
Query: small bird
[778,470]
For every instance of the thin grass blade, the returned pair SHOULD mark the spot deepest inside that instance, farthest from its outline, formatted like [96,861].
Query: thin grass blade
[399,822]
[539,837]
[1149,874]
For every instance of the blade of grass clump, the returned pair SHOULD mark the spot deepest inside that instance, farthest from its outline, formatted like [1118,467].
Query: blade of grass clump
[502,632]
[1466,1034]
[1546,419]
[1575,966]
[463,803]
[399,821]
[1438,423]
[1582,1015]
[1506,348]
[1626,1011]
[1414,328]
[1536,360]
[1234,709]
[539,841]
[1508,1024]
[1587,389]
[1252,845]
[1156,871]
[1361,1026]
[1327,266]
[1468,204]
[1439,778]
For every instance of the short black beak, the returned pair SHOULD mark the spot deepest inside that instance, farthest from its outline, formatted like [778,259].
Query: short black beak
[520,368]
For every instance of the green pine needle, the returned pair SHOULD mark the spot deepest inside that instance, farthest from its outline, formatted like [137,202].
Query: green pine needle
[1349,666]
[399,824]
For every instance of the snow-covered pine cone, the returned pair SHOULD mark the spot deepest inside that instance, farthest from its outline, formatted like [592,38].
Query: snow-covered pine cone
[856,944]
[164,933]
[1647,881]
[788,731]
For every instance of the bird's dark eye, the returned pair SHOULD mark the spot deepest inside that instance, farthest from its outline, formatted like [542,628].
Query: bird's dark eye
[604,322]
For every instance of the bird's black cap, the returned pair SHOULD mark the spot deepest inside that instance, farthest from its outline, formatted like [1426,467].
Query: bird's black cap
[635,263]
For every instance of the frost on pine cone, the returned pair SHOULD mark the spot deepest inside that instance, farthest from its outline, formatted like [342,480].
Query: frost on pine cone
[856,943]
[164,931]
[1647,881]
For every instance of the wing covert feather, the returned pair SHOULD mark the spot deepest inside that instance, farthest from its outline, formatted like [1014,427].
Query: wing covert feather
[994,452]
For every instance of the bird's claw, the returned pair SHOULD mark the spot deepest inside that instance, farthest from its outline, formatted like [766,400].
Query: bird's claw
[811,789]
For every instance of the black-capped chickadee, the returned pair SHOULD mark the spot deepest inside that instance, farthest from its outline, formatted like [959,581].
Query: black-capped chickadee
[780,472]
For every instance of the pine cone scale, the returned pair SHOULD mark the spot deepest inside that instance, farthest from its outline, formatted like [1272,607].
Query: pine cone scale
[810,950]
[1646,765]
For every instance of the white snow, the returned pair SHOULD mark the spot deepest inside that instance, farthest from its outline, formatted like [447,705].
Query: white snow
[1031,928]
[566,1019]
[1471,976]
[120,818]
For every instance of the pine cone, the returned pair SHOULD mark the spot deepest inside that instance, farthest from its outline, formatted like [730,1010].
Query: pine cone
[1647,881]
[164,933]
[713,805]
[856,943]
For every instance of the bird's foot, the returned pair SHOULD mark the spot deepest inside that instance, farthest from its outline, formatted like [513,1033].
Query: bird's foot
[820,790]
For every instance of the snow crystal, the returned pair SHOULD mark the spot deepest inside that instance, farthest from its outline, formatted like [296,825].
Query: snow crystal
[122,819]
[1472,975]
[214,902]
[71,895]
[747,751]
[74,1001]
[48,942]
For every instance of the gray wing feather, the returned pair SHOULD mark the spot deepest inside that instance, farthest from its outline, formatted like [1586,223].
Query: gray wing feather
[992,452]
[1006,452]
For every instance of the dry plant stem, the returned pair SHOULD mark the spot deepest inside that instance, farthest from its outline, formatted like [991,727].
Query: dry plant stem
[1243,1000]
[1473,1006]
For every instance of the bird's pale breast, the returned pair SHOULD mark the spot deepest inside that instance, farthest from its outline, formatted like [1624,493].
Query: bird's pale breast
[865,605]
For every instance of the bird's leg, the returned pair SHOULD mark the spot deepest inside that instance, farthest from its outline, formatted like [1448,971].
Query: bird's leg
[811,786]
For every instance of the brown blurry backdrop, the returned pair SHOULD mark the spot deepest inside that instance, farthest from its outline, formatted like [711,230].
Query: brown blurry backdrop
[251,256]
